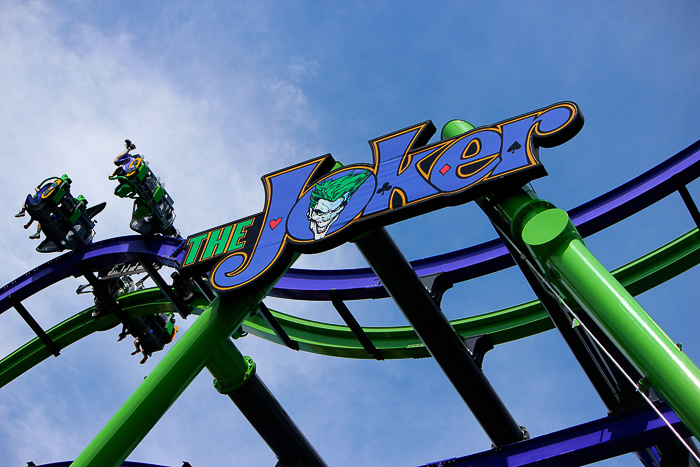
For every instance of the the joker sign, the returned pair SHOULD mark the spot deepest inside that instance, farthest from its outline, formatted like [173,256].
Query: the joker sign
[329,198]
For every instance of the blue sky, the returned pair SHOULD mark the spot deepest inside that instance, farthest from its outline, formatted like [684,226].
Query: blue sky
[216,94]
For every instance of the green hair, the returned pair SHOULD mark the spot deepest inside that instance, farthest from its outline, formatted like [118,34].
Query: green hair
[333,190]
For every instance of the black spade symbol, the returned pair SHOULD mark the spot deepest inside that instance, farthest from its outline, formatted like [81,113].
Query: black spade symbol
[386,187]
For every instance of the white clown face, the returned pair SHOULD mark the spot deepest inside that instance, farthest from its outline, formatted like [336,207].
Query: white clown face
[323,215]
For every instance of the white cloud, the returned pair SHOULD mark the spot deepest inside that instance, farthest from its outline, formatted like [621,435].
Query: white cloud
[70,95]
[211,97]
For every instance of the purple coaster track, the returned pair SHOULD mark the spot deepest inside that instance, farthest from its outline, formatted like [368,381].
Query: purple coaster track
[94,256]
[492,256]
[583,444]
[362,283]
[124,464]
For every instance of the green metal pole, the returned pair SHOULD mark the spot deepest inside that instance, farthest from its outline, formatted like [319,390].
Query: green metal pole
[171,376]
[229,368]
[167,381]
[575,272]
[558,249]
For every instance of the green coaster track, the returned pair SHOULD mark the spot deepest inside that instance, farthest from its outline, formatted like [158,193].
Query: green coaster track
[509,324]
[391,342]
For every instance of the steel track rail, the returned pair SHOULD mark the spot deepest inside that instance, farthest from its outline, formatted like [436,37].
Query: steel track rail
[163,250]
[486,258]
[362,283]
[501,326]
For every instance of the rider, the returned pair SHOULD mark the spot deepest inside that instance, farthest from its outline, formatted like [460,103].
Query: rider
[120,159]
[137,344]
[164,335]
[30,199]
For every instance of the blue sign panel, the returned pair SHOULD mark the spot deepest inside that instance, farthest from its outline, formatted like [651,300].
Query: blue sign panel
[315,205]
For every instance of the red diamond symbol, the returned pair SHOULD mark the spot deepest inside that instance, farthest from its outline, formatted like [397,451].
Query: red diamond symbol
[445,169]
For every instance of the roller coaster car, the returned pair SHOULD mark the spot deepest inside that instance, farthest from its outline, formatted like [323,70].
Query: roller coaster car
[115,287]
[183,287]
[153,211]
[66,221]
[152,331]
[161,329]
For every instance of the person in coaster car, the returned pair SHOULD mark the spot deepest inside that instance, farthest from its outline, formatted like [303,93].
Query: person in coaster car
[30,199]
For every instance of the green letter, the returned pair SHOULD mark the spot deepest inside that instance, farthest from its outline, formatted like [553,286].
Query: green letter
[239,233]
[219,243]
[194,244]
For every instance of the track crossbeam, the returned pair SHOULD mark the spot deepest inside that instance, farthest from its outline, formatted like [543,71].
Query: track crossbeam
[442,341]
[164,287]
[355,327]
[29,319]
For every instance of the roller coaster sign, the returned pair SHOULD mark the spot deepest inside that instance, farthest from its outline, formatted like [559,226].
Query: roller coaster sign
[315,206]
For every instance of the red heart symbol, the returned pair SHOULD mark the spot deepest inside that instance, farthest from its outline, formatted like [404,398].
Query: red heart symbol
[274,223]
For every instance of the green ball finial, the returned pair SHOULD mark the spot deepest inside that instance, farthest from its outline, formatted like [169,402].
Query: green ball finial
[454,128]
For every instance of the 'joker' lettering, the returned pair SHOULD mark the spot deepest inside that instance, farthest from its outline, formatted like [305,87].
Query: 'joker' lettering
[308,209]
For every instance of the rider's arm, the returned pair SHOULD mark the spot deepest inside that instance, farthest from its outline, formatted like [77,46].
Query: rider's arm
[38,187]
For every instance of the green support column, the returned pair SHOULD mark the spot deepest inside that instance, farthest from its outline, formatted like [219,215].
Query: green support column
[558,249]
[167,381]
[575,272]
[179,367]
[229,368]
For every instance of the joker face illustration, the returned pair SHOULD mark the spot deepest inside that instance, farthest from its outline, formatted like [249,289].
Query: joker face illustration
[329,198]
[323,214]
